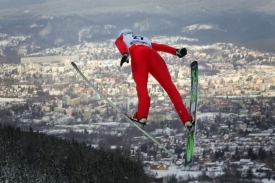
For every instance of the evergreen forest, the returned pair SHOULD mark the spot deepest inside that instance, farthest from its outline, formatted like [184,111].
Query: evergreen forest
[33,157]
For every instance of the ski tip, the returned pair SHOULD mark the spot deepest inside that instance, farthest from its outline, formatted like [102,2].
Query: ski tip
[194,64]
[73,64]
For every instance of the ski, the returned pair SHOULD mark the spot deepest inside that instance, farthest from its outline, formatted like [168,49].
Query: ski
[190,145]
[118,110]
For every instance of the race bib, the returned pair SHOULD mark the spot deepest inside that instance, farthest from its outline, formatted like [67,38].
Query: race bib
[130,39]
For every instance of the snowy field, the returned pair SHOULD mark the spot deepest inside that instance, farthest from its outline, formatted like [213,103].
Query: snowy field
[3,100]
[213,115]
[268,181]
[182,175]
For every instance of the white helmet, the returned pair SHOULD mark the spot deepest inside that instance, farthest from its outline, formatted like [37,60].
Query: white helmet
[125,31]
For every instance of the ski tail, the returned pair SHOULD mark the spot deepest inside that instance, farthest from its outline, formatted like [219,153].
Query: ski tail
[189,155]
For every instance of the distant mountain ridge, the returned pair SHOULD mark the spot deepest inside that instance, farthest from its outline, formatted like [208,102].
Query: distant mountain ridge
[41,24]
[160,7]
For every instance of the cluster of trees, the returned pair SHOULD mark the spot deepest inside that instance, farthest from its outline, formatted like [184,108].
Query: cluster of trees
[260,155]
[28,156]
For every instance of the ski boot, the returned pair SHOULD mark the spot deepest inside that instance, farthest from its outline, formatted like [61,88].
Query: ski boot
[142,121]
[190,125]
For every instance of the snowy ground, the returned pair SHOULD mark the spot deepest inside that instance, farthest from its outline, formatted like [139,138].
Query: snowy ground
[183,175]
[173,170]
[268,181]
[2,100]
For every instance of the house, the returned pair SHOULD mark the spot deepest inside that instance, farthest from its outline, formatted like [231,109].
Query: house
[159,167]
[244,161]
[163,167]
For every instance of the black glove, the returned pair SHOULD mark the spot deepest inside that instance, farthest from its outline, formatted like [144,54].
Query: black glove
[181,52]
[125,58]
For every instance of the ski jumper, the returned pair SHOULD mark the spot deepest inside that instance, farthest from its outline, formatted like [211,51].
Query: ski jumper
[144,60]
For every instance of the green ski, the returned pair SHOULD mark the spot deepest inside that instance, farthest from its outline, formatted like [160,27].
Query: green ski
[189,154]
[118,110]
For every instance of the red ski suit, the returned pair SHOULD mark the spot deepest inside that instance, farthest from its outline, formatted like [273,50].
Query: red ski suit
[144,60]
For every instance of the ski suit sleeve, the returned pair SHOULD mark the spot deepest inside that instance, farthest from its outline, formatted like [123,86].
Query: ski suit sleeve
[164,48]
[121,45]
